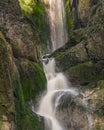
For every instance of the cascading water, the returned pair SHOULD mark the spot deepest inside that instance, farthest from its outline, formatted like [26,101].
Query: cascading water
[57,84]
[57,19]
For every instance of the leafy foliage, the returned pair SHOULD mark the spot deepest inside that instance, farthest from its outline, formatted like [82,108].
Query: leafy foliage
[68,15]
[34,10]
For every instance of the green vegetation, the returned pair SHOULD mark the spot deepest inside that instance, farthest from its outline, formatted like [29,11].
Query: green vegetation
[70,21]
[5,84]
[85,72]
[23,116]
[34,10]
[82,72]
[29,84]
[33,81]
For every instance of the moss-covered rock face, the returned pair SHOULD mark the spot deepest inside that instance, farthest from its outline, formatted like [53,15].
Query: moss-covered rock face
[7,70]
[31,82]
[71,56]
[22,76]
[86,72]
[36,14]
[18,32]
[77,13]
[32,78]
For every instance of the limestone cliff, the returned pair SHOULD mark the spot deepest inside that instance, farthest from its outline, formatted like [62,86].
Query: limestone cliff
[21,71]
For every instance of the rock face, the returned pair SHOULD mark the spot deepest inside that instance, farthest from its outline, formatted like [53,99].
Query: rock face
[6,90]
[79,10]
[17,30]
[36,14]
[82,60]
[20,67]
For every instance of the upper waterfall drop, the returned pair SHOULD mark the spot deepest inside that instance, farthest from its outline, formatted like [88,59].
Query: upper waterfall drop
[57,20]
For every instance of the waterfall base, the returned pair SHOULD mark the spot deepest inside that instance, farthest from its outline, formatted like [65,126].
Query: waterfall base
[62,107]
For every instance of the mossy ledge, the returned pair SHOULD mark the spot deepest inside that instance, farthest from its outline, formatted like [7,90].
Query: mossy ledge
[20,81]
[6,91]
[31,82]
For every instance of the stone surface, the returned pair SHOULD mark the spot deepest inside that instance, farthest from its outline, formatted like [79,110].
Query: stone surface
[20,68]
[83,11]
[18,32]
[6,90]
[83,63]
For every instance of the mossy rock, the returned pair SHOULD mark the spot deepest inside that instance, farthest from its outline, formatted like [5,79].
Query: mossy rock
[99,126]
[30,83]
[82,72]
[32,78]
[70,56]
[85,72]
[6,86]
[36,15]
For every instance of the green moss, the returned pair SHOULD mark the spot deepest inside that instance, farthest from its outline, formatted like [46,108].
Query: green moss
[35,11]
[77,35]
[32,123]
[33,81]
[58,55]
[97,127]
[99,101]
[5,80]
[100,84]
[101,75]
[30,83]
[0,125]
[26,120]
[70,21]
[82,71]
[86,72]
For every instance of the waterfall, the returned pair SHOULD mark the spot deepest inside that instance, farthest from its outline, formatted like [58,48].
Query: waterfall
[57,85]
[58,28]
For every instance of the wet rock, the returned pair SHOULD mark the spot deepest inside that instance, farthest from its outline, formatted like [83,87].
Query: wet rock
[19,60]
[6,91]
[83,63]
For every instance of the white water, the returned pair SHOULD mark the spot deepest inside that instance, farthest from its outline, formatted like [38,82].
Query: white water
[57,19]
[89,116]
[56,83]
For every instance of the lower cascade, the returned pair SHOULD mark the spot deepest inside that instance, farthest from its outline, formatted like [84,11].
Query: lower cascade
[57,87]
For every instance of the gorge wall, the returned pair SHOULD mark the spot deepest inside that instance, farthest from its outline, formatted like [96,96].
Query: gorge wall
[21,71]
[82,60]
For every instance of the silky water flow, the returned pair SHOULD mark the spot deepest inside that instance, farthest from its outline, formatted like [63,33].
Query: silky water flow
[57,84]
[58,26]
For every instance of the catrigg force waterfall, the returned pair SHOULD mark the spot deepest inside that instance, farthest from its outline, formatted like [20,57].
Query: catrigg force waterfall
[57,88]
[58,85]
[57,20]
